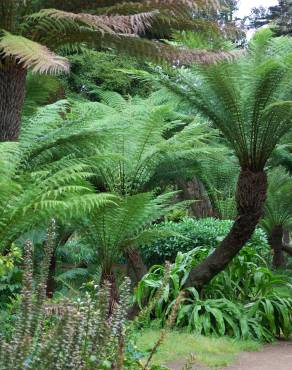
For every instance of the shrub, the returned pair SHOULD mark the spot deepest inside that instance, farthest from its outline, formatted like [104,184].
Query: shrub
[219,317]
[94,70]
[205,233]
[10,275]
[242,301]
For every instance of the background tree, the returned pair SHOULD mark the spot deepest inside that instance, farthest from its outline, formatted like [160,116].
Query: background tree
[277,16]
[281,17]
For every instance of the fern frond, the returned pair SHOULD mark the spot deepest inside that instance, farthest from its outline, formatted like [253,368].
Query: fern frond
[278,207]
[248,99]
[118,6]
[32,55]
[115,227]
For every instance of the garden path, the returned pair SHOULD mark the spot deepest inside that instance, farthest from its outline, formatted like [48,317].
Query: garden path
[277,356]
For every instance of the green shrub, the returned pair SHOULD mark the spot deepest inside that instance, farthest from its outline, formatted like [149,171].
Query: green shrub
[219,317]
[94,70]
[10,275]
[205,232]
[272,312]
[243,301]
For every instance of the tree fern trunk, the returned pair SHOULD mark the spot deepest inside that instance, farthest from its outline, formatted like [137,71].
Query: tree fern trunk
[109,277]
[136,268]
[286,242]
[275,241]
[250,198]
[12,93]
[288,250]
[195,190]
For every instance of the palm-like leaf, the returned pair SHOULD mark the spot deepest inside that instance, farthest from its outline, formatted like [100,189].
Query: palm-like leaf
[112,26]
[249,100]
[139,156]
[44,175]
[31,55]
[118,6]
[278,207]
[52,20]
[118,227]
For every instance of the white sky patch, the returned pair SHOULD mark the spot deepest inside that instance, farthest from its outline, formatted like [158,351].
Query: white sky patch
[245,6]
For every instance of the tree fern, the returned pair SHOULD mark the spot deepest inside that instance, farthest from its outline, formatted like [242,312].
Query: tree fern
[249,101]
[43,177]
[144,147]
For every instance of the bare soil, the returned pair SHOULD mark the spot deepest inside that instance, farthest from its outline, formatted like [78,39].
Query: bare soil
[276,356]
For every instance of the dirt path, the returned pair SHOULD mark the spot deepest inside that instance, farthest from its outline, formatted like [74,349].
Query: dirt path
[276,356]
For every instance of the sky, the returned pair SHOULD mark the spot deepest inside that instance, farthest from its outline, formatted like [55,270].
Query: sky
[245,6]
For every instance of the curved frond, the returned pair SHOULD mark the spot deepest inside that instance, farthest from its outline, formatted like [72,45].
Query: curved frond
[53,20]
[120,226]
[144,149]
[278,206]
[248,99]
[159,52]
[32,55]
[119,6]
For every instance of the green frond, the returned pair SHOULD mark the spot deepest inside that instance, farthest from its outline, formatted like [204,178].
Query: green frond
[31,55]
[137,151]
[113,228]
[118,6]
[148,236]
[39,91]
[248,99]
[46,173]
[278,206]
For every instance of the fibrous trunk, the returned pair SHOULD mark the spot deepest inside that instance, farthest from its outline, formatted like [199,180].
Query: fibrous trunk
[136,268]
[286,242]
[108,276]
[12,93]
[194,190]
[250,198]
[275,241]
[287,249]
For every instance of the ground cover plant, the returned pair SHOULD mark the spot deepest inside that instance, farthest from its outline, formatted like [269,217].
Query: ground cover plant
[243,301]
